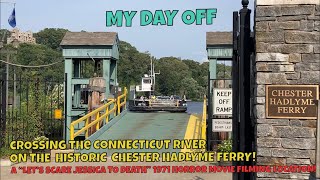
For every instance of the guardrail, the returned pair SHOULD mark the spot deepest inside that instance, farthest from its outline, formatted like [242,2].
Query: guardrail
[204,120]
[99,114]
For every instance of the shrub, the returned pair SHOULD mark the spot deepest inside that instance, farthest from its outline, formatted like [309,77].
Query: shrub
[225,146]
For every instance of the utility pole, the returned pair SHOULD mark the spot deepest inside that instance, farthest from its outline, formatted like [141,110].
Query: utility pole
[7,79]
[8,53]
[153,75]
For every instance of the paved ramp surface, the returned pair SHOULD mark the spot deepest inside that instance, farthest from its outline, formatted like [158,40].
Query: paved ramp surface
[159,126]
[134,126]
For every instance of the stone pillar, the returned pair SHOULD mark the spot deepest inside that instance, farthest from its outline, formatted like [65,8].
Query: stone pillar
[287,53]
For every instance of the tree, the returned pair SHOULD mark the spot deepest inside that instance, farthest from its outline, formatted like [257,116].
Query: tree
[50,37]
[224,71]
[190,88]
[194,67]
[4,34]
[173,71]
[132,65]
[34,54]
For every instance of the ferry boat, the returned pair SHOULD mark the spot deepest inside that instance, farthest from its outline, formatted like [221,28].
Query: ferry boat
[142,97]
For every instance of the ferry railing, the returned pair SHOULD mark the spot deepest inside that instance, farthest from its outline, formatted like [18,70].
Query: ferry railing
[122,100]
[204,119]
[99,115]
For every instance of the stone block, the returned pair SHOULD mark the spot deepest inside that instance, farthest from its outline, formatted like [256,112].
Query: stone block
[312,156]
[311,58]
[292,132]
[317,10]
[263,151]
[299,176]
[295,75]
[316,49]
[307,66]
[295,122]
[317,25]
[271,161]
[271,78]
[315,18]
[278,122]
[294,58]
[299,37]
[309,123]
[268,11]
[264,175]
[289,25]
[272,57]
[278,176]
[315,66]
[281,68]
[290,153]
[260,100]
[298,143]
[284,48]
[261,91]
[306,25]
[310,77]
[264,130]
[260,19]
[289,2]
[262,47]
[268,142]
[297,10]
[293,48]
[292,18]
[261,66]
[262,26]
[293,161]
[273,36]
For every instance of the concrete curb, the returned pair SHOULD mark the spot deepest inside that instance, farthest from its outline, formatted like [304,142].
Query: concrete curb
[6,163]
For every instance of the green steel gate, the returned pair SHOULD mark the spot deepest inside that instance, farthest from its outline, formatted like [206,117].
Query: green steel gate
[27,108]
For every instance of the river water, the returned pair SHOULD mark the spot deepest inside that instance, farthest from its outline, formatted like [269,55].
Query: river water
[195,107]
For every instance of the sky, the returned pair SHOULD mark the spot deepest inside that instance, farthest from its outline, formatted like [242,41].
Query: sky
[179,40]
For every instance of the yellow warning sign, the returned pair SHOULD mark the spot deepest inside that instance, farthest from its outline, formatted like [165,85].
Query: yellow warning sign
[58,114]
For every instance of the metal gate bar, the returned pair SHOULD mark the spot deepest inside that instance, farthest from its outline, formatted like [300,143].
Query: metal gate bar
[243,127]
[30,99]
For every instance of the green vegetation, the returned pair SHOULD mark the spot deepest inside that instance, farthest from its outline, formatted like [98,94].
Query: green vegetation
[50,37]
[178,77]
[5,152]
[225,146]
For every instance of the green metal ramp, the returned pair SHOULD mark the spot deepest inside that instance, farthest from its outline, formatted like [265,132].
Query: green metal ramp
[158,126]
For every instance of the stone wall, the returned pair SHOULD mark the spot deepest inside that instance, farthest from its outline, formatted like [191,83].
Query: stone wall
[288,52]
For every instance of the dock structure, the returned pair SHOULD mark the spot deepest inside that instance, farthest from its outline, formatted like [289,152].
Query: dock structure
[94,107]
[88,55]
[149,126]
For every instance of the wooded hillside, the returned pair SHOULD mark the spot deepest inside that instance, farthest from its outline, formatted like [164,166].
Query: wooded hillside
[178,76]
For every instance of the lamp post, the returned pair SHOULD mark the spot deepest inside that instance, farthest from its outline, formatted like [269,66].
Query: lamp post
[245,3]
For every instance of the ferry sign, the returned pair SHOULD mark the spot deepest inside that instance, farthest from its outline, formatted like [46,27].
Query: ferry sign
[292,101]
[222,101]
[222,125]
